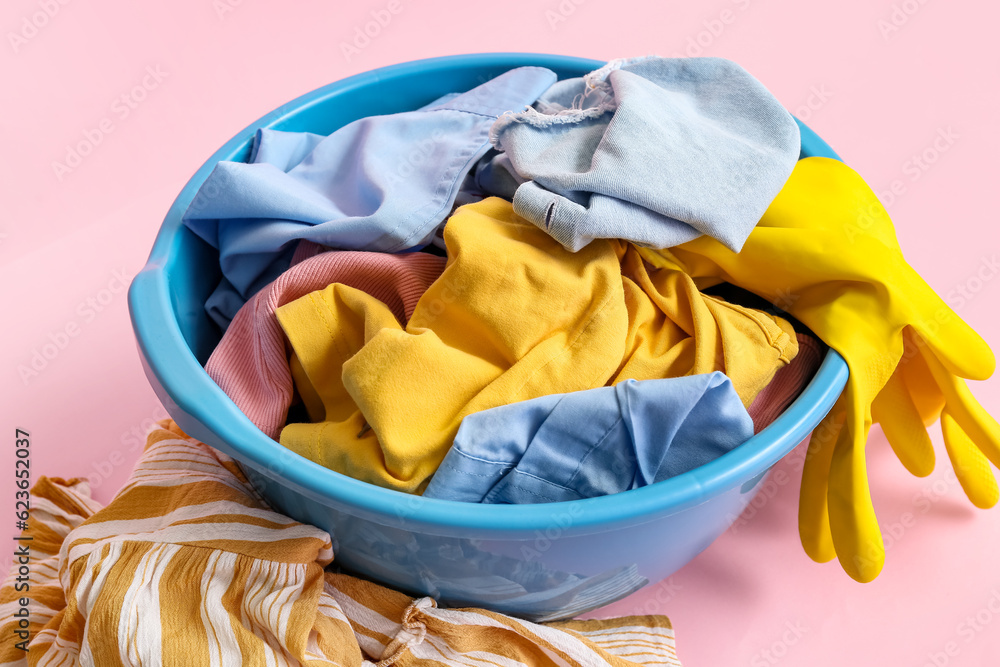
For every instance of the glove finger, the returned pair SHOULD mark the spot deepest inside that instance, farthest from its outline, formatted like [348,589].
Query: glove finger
[980,427]
[903,427]
[853,524]
[814,518]
[955,344]
[920,384]
[971,466]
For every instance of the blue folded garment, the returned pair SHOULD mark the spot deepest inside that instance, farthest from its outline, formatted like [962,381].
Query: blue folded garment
[592,443]
[382,183]
[656,151]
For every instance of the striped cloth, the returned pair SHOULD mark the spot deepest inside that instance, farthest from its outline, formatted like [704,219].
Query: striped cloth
[188,566]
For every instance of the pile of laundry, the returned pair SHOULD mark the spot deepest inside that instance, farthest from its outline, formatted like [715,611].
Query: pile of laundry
[543,290]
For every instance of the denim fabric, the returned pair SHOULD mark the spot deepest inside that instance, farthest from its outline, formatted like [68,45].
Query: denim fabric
[652,150]
[382,183]
[592,443]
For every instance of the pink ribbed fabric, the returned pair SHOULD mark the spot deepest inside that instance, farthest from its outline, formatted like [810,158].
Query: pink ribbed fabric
[306,249]
[250,363]
[787,384]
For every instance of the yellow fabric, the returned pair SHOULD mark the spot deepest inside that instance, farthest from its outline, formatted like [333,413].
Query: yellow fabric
[826,252]
[188,567]
[514,316]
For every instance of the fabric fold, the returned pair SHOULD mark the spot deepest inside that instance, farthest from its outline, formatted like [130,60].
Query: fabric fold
[188,566]
[380,183]
[251,362]
[514,316]
[592,443]
[656,151]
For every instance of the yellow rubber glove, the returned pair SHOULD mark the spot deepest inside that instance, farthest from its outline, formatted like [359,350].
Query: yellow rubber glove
[904,426]
[913,398]
[971,436]
[826,252]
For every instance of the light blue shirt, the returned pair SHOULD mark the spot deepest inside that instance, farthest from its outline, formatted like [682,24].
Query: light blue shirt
[381,183]
[652,150]
[592,443]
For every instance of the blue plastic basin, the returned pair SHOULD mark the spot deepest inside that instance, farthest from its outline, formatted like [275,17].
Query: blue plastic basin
[541,562]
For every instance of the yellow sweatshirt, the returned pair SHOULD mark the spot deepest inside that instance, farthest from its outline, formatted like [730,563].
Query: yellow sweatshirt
[514,316]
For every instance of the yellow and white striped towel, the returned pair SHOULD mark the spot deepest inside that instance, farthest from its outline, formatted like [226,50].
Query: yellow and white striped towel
[188,566]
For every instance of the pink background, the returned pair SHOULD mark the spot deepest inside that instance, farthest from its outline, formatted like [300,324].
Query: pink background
[879,92]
